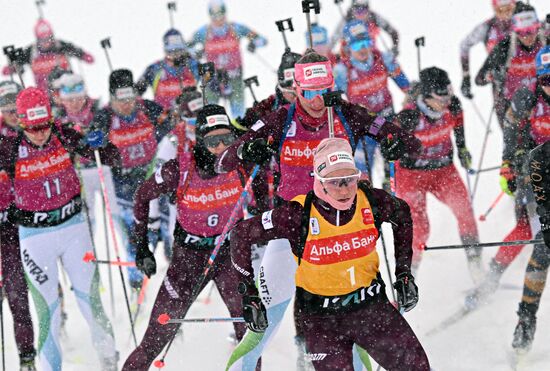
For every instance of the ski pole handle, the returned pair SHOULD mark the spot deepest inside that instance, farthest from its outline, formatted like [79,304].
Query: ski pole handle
[106,44]
[331,99]
[487,244]
[249,82]
[483,217]
[419,42]
[165,319]
[285,25]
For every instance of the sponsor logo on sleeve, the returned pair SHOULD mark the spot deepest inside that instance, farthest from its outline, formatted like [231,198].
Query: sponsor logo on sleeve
[267,222]
[258,125]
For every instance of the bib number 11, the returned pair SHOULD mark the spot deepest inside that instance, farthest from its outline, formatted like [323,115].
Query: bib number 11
[48,187]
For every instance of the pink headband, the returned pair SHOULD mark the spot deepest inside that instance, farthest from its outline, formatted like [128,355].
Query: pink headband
[313,75]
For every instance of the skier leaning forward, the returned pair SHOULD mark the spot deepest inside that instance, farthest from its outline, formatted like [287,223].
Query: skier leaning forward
[339,290]
[205,201]
[52,226]
[296,131]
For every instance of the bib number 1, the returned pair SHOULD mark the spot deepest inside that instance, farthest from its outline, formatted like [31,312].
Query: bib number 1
[351,275]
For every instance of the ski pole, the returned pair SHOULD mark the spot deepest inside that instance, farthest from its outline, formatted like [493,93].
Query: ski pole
[483,149]
[171,10]
[483,217]
[106,44]
[164,319]
[248,83]
[230,223]
[284,25]
[141,296]
[331,99]
[486,244]
[419,43]
[7,50]
[14,55]
[478,114]
[307,6]
[486,169]
[39,4]
[89,257]
[113,235]
[265,63]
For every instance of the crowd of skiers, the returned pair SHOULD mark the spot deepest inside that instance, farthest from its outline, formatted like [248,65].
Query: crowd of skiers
[177,169]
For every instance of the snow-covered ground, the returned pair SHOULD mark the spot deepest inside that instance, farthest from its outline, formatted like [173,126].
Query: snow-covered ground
[479,342]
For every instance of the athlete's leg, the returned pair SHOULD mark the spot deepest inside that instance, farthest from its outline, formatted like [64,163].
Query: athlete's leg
[173,298]
[379,327]
[276,286]
[39,253]
[85,285]
[16,290]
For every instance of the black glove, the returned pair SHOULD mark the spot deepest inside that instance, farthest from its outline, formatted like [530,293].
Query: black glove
[465,158]
[257,151]
[392,148]
[254,312]
[407,291]
[545,229]
[466,87]
[145,261]
[251,47]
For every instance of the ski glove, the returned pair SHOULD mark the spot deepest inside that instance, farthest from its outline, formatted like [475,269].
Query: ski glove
[507,179]
[392,148]
[466,87]
[251,47]
[465,158]
[94,139]
[254,313]
[145,261]
[257,151]
[407,291]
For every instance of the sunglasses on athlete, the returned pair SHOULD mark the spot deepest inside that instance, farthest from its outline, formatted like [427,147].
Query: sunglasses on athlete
[544,80]
[339,181]
[37,129]
[78,88]
[361,44]
[310,94]
[214,140]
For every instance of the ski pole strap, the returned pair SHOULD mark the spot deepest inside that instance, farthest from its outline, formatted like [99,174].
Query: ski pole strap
[486,244]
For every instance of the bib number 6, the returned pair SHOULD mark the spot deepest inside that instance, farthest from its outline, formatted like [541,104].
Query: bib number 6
[213,220]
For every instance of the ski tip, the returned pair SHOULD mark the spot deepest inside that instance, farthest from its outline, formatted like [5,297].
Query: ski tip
[159,363]
[88,257]
[163,319]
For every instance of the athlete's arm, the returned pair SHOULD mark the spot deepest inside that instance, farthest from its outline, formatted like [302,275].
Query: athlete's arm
[477,35]
[282,222]
[494,67]
[363,122]
[164,180]
[270,126]
[146,79]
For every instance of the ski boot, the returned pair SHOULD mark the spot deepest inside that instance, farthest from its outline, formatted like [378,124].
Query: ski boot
[26,361]
[487,287]
[302,363]
[525,329]
[475,267]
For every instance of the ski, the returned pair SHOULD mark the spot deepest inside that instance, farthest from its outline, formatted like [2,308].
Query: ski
[451,320]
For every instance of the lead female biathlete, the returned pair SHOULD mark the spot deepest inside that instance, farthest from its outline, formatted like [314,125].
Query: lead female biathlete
[340,293]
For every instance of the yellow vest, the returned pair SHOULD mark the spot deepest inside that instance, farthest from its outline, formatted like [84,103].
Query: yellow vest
[338,260]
